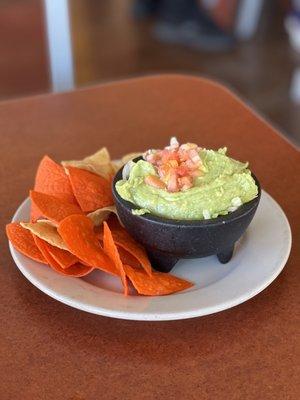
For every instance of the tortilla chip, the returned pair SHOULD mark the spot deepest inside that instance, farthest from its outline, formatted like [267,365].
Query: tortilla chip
[77,231]
[98,163]
[114,222]
[158,284]
[47,231]
[52,207]
[76,270]
[52,179]
[47,222]
[128,258]
[130,156]
[100,215]
[23,241]
[91,191]
[111,250]
[63,257]
[117,164]
[124,240]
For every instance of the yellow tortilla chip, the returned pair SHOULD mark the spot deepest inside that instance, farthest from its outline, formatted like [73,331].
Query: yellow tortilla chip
[47,221]
[101,214]
[130,156]
[99,163]
[47,231]
[117,164]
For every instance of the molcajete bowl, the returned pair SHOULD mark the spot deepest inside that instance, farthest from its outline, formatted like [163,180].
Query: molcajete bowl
[168,240]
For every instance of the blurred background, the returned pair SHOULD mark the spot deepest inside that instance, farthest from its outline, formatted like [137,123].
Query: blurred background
[253,46]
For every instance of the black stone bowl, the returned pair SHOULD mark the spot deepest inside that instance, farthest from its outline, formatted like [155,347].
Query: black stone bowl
[168,240]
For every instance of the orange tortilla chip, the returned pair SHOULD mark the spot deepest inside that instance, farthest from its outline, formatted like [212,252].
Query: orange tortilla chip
[52,207]
[158,284]
[76,270]
[124,240]
[128,258]
[78,234]
[64,258]
[91,191]
[111,250]
[23,241]
[52,179]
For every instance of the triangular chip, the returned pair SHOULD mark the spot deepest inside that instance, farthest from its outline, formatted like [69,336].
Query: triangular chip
[128,259]
[117,164]
[77,231]
[63,257]
[130,156]
[23,241]
[111,250]
[52,207]
[99,163]
[52,179]
[76,270]
[158,284]
[92,191]
[124,240]
[47,231]
[100,215]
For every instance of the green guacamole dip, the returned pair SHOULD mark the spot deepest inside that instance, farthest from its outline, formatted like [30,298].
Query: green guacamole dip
[224,185]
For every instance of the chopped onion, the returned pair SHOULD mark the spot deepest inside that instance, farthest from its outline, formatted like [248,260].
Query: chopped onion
[126,170]
[206,214]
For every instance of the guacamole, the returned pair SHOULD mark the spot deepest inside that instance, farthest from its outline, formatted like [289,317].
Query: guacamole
[222,186]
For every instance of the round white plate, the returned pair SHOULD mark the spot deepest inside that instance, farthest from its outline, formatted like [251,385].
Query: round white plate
[259,258]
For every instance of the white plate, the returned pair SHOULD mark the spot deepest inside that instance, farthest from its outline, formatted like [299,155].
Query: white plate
[259,258]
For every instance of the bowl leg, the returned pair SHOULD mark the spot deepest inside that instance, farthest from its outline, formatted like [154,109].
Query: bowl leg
[161,261]
[225,255]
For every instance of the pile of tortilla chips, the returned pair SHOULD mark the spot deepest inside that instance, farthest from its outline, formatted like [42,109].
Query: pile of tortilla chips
[73,230]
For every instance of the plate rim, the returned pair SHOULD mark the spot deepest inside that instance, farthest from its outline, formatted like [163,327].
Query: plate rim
[152,316]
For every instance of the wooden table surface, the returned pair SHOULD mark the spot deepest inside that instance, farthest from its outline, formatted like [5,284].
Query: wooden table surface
[51,351]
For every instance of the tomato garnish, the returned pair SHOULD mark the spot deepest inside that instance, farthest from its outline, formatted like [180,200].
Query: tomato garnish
[177,166]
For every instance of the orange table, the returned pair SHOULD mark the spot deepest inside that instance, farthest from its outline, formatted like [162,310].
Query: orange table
[50,351]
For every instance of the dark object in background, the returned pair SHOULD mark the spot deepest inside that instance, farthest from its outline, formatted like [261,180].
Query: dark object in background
[183,22]
[145,8]
[166,241]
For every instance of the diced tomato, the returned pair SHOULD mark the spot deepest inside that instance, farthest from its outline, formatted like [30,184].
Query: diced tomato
[183,155]
[182,170]
[154,181]
[185,183]
[168,155]
[172,184]
[177,166]
[152,157]
[173,163]
[191,165]
[194,155]
[188,146]
[164,170]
